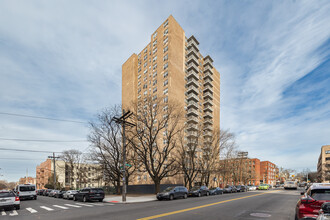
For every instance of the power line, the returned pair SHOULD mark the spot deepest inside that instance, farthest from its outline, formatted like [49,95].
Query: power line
[45,118]
[37,140]
[6,158]
[34,151]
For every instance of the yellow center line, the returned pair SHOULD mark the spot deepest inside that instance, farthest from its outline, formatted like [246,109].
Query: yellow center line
[197,207]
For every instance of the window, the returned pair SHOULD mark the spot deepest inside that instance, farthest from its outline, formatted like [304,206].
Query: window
[165,91]
[154,105]
[145,86]
[166,23]
[154,82]
[145,57]
[145,64]
[165,108]
[166,32]
[154,51]
[165,74]
[139,70]
[145,71]
[165,82]
[139,76]
[145,92]
[165,57]
[154,35]
[165,66]
[154,97]
[139,90]
[155,90]
[145,50]
[154,67]
[165,49]
[166,99]
[165,40]
[164,141]
[139,83]
[154,59]
[145,78]
[154,43]
[154,74]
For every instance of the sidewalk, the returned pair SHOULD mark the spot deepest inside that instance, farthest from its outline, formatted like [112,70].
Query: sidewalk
[130,198]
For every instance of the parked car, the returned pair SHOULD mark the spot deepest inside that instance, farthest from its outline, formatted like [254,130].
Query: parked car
[263,187]
[252,187]
[59,194]
[9,199]
[47,191]
[52,193]
[216,191]
[69,194]
[229,189]
[324,212]
[26,191]
[311,201]
[241,188]
[199,191]
[89,194]
[40,192]
[290,185]
[173,193]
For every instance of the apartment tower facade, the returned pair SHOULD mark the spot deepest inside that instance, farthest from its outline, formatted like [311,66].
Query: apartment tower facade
[323,165]
[172,67]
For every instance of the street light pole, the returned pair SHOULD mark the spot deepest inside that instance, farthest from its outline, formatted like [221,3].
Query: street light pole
[53,157]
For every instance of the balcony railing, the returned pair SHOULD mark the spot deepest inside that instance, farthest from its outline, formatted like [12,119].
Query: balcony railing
[208,122]
[207,95]
[192,104]
[192,88]
[192,119]
[192,96]
[192,81]
[192,59]
[207,75]
[192,112]
[192,66]
[208,115]
[192,74]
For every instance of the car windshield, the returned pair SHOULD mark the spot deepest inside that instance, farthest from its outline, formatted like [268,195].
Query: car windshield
[27,188]
[6,194]
[168,189]
[195,188]
[263,184]
[290,182]
[227,186]
[320,194]
[213,188]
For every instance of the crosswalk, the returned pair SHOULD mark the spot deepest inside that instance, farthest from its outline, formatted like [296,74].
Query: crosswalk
[52,208]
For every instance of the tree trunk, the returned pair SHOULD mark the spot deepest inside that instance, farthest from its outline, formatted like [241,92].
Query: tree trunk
[118,187]
[157,185]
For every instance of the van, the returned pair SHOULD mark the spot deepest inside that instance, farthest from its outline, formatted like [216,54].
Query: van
[290,184]
[26,191]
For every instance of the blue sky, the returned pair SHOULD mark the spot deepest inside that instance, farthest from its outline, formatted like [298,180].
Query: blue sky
[62,59]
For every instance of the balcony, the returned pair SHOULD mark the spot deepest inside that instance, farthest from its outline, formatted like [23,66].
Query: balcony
[208,122]
[208,102]
[208,82]
[208,88]
[208,109]
[192,66]
[193,51]
[208,115]
[207,95]
[192,112]
[192,119]
[193,40]
[208,128]
[208,59]
[192,104]
[207,63]
[192,134]
[192,97]
[208,69]
[207,75]
[192,127]
[192,89]
[192,81]
[192,59]
[207,134]
[192,74]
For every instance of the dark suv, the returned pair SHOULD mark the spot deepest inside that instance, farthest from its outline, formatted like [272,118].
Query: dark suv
[89,194]
[173,193]
[199,191]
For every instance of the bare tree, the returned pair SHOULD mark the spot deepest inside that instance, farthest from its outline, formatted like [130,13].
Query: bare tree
[188,155]
[72,168]
[106,147]
[155,137]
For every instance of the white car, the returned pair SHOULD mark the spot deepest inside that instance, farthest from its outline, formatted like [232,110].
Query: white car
[9,199]
[25,191]
[251,188]
[290,184]
[69,194]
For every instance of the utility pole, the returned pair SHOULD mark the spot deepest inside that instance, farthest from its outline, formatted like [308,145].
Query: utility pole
[53,157]
[123,122]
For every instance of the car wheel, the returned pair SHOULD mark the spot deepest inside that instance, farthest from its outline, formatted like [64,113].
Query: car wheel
[185,196]
[171,197]
[74,198]
[18,207]
[199,194]
[84,199]
[100,200]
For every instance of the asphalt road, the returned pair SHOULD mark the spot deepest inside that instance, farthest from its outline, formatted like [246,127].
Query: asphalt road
[272,204]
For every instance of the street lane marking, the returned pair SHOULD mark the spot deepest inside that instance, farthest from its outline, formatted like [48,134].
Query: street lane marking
[197,207]
[47,208]
[61,207]
[84,204]
[96,204]
[14,212]
[3,213]
[31,210]
[76,206]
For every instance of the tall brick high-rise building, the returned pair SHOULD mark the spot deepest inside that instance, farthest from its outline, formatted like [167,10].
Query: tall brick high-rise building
[172,67]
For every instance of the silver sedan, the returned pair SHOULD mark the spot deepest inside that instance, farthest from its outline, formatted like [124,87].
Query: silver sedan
[69,194]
